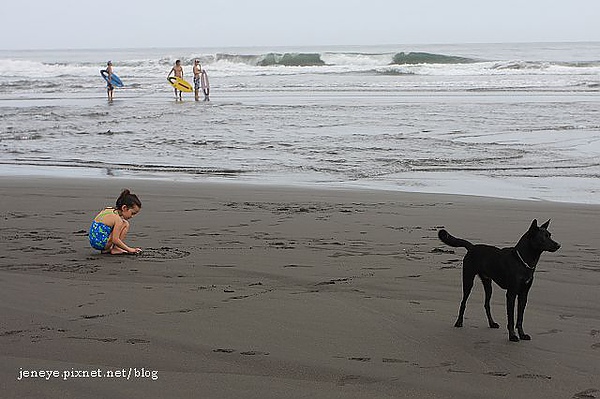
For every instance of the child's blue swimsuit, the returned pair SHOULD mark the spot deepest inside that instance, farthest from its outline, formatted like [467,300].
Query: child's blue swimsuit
[99,235]
[99,232]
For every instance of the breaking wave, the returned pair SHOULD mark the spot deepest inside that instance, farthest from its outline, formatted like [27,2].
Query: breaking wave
[292,59]
[428,58]
[15,73]
[274,59]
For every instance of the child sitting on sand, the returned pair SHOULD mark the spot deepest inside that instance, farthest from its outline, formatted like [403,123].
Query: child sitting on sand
[109,228]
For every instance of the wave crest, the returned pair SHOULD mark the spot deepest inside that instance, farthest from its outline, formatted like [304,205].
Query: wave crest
[429,58]
[274,59]
[291,59]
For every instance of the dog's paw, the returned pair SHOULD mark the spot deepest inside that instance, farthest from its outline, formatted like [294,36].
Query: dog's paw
[524,337]
[513,338]
[494,325]
[458,323]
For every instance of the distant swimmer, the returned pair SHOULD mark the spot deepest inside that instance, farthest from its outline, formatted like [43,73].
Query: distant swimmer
[177,71]
[197,71]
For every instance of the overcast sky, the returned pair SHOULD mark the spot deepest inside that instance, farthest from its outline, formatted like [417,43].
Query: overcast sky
[64,24]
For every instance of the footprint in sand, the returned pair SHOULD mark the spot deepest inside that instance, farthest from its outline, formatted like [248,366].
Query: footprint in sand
[587,394]
[534,376]
[99,316]
[12,332]
[552,331]
[355,379]
[393,360]
[97,339]
[134,341]
[496,373]
[360,359]
[335,281]
[79,268]
[176,311]
[254,353]
[223,350]
[245,353]
[438,250]
[163,253]
[94,316]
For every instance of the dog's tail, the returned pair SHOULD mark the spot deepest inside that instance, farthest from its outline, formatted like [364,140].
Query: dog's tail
[453,241]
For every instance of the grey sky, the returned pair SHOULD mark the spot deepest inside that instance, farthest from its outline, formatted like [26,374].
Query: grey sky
[64,24]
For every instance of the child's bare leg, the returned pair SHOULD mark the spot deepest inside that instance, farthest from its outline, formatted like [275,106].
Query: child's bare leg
[116,250]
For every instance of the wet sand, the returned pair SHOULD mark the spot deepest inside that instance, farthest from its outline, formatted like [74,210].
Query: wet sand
[246,291]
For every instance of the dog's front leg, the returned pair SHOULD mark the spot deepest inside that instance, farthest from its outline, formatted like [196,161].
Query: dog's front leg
[521,303]
[510,312]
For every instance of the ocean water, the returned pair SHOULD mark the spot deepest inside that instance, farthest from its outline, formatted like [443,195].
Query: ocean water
[501,120]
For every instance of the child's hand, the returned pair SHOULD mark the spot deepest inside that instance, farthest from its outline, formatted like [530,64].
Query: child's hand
[137,250]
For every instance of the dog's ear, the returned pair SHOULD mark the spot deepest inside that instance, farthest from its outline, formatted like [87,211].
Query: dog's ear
[534,225]
[545,225]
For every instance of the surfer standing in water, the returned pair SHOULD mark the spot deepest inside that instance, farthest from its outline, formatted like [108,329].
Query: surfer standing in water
[197,71]
[109,87]
[177,71]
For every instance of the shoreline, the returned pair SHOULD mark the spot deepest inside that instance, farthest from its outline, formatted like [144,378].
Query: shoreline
[267,292]
[482,189]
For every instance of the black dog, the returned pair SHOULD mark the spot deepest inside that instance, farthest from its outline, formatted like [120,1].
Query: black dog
[511,268]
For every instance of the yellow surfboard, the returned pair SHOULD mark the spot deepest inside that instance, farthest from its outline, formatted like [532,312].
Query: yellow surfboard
[180,84]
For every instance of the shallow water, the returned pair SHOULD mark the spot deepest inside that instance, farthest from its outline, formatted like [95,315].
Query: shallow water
[517,121]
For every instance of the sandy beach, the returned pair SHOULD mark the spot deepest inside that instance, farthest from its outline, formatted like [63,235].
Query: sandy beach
[248,291]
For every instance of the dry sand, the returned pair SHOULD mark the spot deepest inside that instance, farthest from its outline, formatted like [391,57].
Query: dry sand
[246,291]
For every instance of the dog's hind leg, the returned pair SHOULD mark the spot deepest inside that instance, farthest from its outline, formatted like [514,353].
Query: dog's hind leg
[487,286]
[468,277]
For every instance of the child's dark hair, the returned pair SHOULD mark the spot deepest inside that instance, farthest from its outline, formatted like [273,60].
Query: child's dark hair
[128,199]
